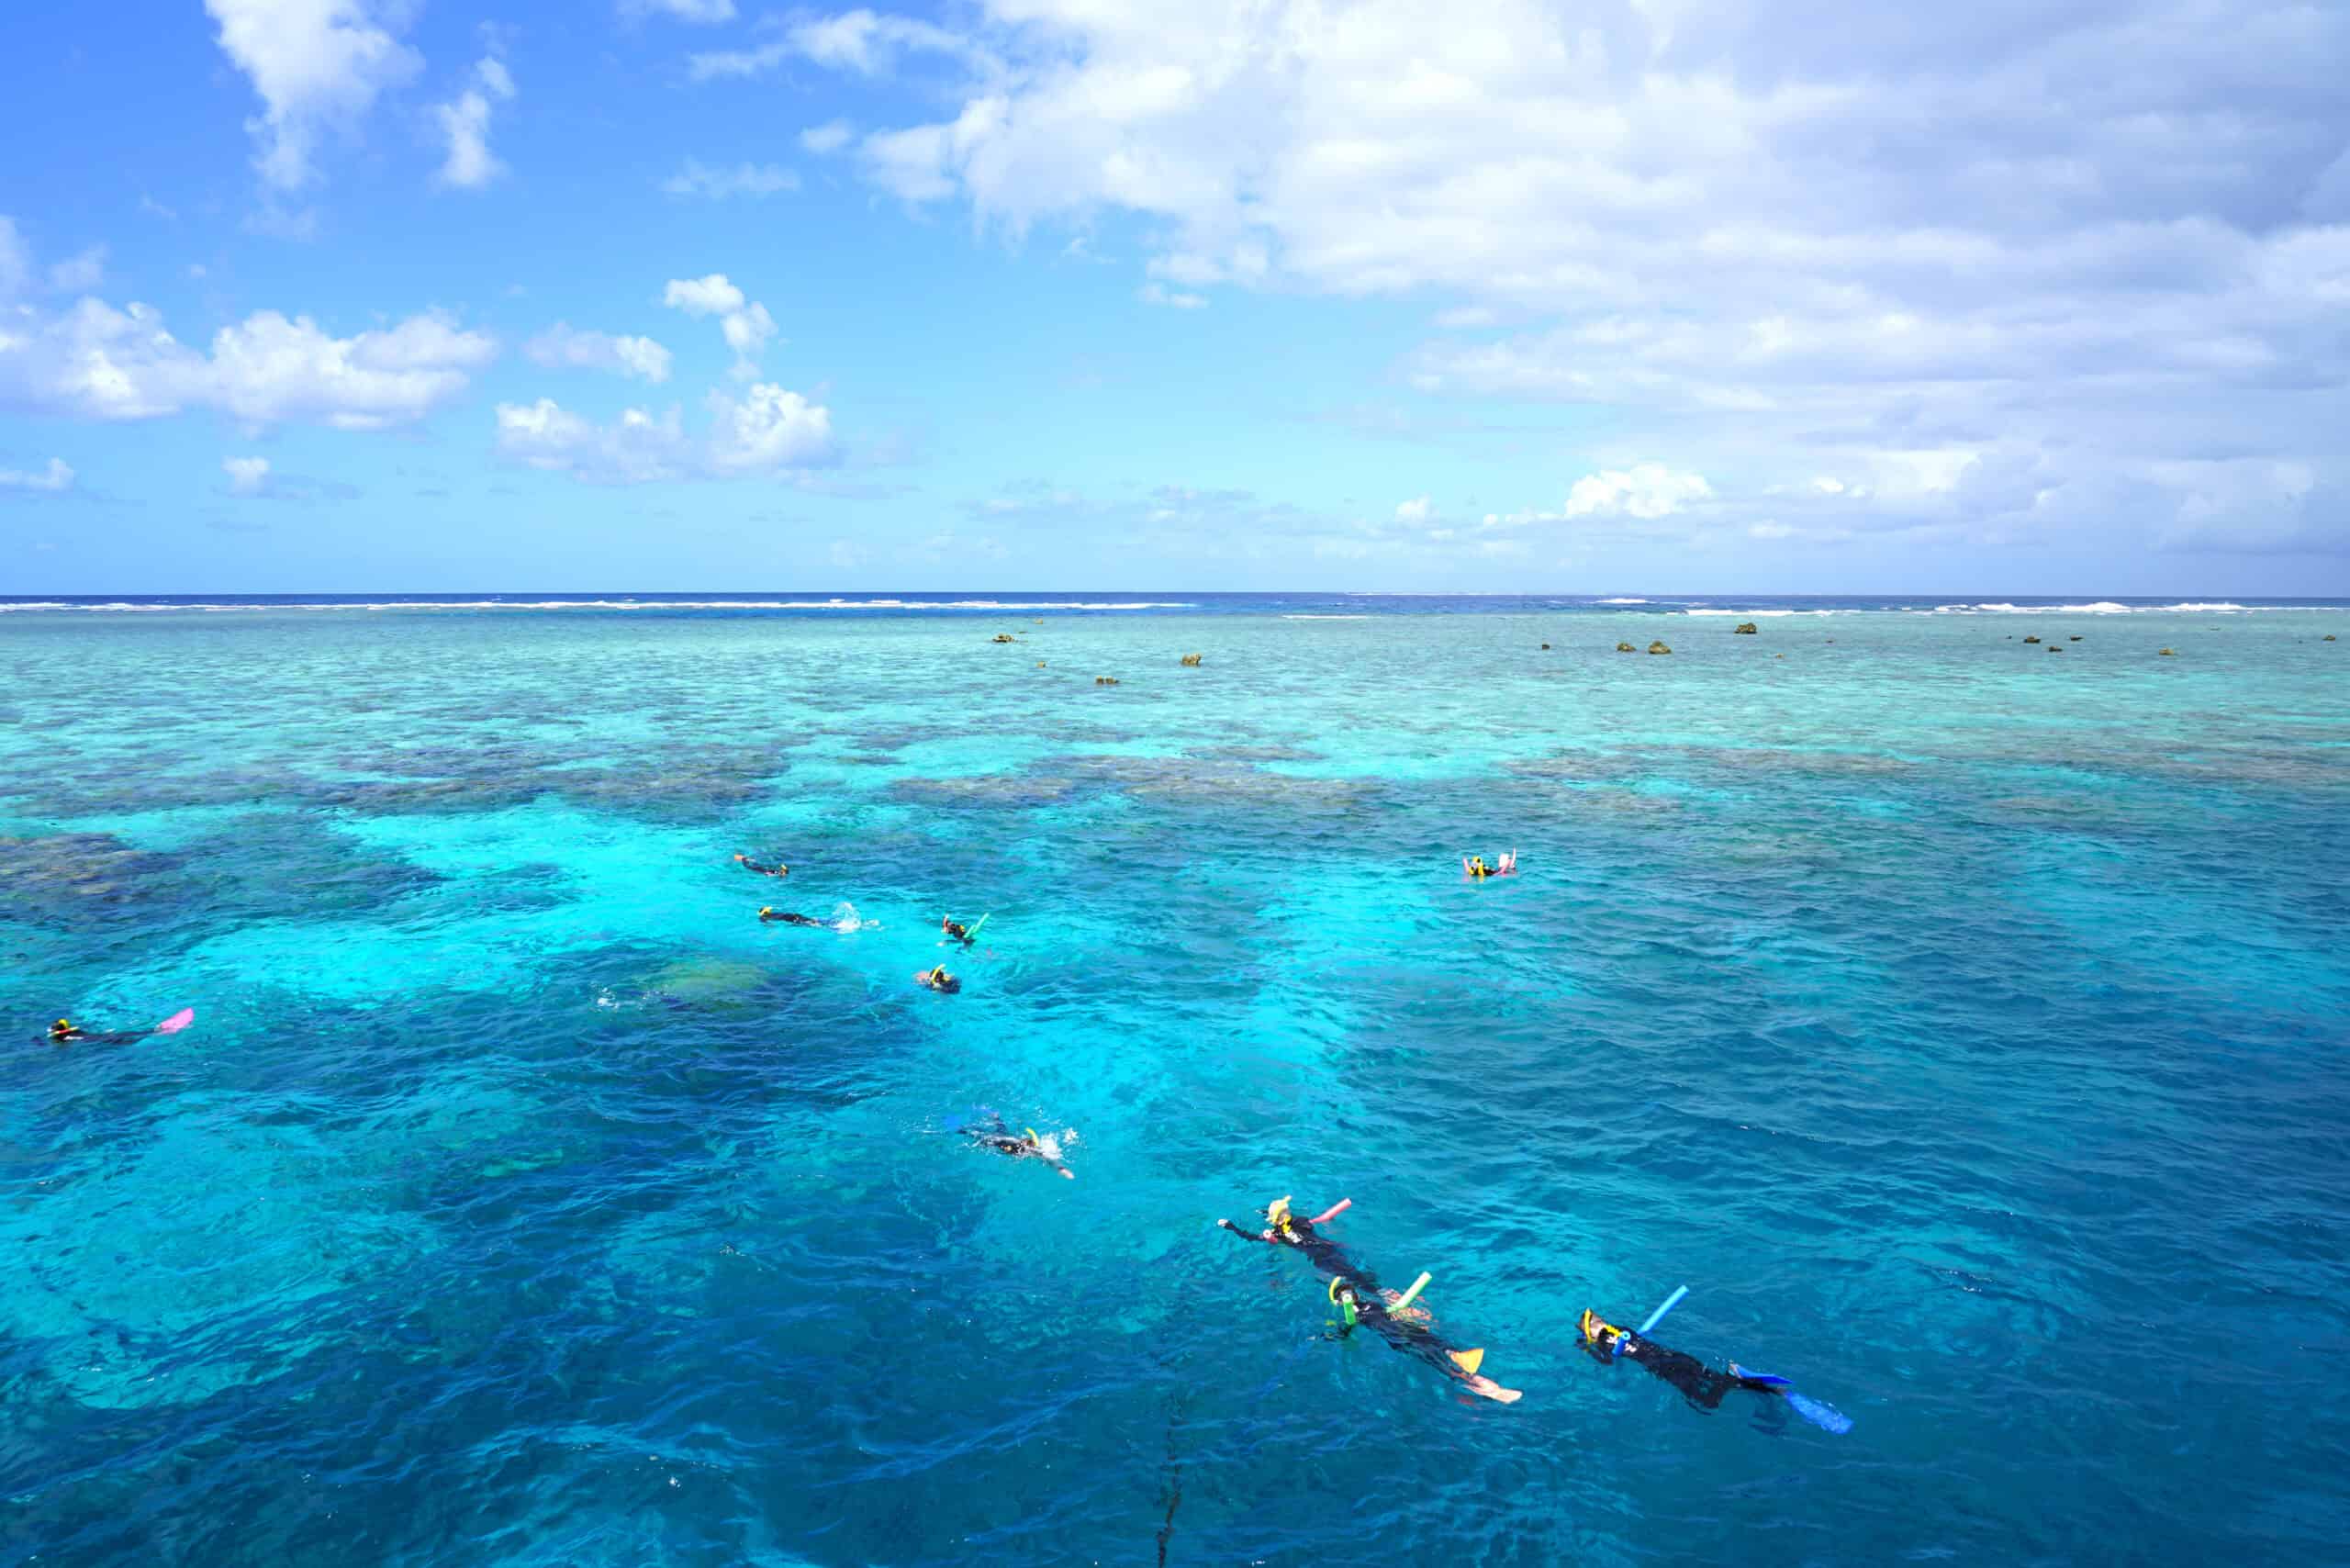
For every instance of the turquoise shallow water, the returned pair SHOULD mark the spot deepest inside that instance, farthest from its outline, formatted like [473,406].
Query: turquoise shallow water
[1965,1024]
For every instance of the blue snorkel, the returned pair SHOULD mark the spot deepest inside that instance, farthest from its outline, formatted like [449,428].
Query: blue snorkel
[1654,1319]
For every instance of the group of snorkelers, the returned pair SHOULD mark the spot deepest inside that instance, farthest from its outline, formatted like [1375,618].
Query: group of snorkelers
[1356,1297]
[934,979]
[1359,1300]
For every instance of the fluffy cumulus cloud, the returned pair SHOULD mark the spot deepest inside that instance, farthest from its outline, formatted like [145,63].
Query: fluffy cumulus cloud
[769,429]
[55,479]
[769,432]
[463,122]
[1644,490]
[565,347]
[247,476]
[318,67]
[93,360]
[745,324]
[2006,269]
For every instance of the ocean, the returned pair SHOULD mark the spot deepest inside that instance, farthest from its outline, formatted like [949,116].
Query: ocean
[1962,1018]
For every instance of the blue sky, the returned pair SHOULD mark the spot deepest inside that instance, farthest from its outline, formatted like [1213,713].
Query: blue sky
[1819,294]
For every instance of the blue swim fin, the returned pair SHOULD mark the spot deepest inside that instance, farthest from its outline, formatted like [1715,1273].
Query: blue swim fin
[1825,1417]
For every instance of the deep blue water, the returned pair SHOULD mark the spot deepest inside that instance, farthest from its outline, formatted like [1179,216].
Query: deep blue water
[1964,1024]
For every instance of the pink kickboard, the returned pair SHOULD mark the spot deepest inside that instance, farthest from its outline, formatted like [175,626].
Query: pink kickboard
[176,1021]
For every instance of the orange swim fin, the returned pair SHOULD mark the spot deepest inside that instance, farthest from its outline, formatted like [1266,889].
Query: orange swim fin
[1468,1360]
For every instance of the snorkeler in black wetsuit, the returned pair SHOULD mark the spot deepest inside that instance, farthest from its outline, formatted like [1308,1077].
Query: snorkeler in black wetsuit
[1024,1145]
[750,864]
[63,1033]
[937,979]
[1286,1229]
[775,916]
[1360,1300]
[956,931]
[1700,1385]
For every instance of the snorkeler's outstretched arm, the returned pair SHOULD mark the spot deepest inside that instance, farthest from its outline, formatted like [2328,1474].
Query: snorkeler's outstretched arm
[1245,1234]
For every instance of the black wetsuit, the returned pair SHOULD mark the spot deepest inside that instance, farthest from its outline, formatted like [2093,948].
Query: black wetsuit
[103,1037]
[749,865]
[1700,1385]
[1401,1335]
[1001,1139]
[1371,1310]
[1326,1255]
[947,988]
[772,915]
[956,932]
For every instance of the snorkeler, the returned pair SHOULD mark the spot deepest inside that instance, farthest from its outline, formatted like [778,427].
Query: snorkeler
[1387,1313]
[956,931]
[1404,1328]
[938,980]
[1284,1228]
[1700,1385]
[65,1033]
[749,864]
[1505,867]
[774,917]
[1026,1144]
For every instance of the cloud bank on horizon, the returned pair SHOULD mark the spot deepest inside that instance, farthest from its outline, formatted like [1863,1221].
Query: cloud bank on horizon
[1774,294]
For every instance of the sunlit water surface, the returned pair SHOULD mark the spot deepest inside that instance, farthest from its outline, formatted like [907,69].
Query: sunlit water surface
[1965,1024]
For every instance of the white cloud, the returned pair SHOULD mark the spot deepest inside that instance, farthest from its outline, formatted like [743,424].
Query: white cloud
[858,41]
[866,43]
[2069,246]
[464,123]
[1417,511]
[1159,293]
[745,324]
[637,448]
[710,295]
[247,476]
[770,429]
[747,331]
[563,346]
[770,432]
[1644,490]
[701,13]
[77,274]
[319,66]
[93,361]
[827,138]
[698,179]
[57,477]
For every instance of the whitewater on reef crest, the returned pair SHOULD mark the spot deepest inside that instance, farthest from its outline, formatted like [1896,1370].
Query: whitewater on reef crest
[1963,1025]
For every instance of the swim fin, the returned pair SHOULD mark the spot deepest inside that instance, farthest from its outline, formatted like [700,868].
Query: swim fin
[1827,1417]
[1468,1360]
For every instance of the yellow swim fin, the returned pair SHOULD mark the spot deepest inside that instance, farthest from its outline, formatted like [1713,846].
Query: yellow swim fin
[1470,1361]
